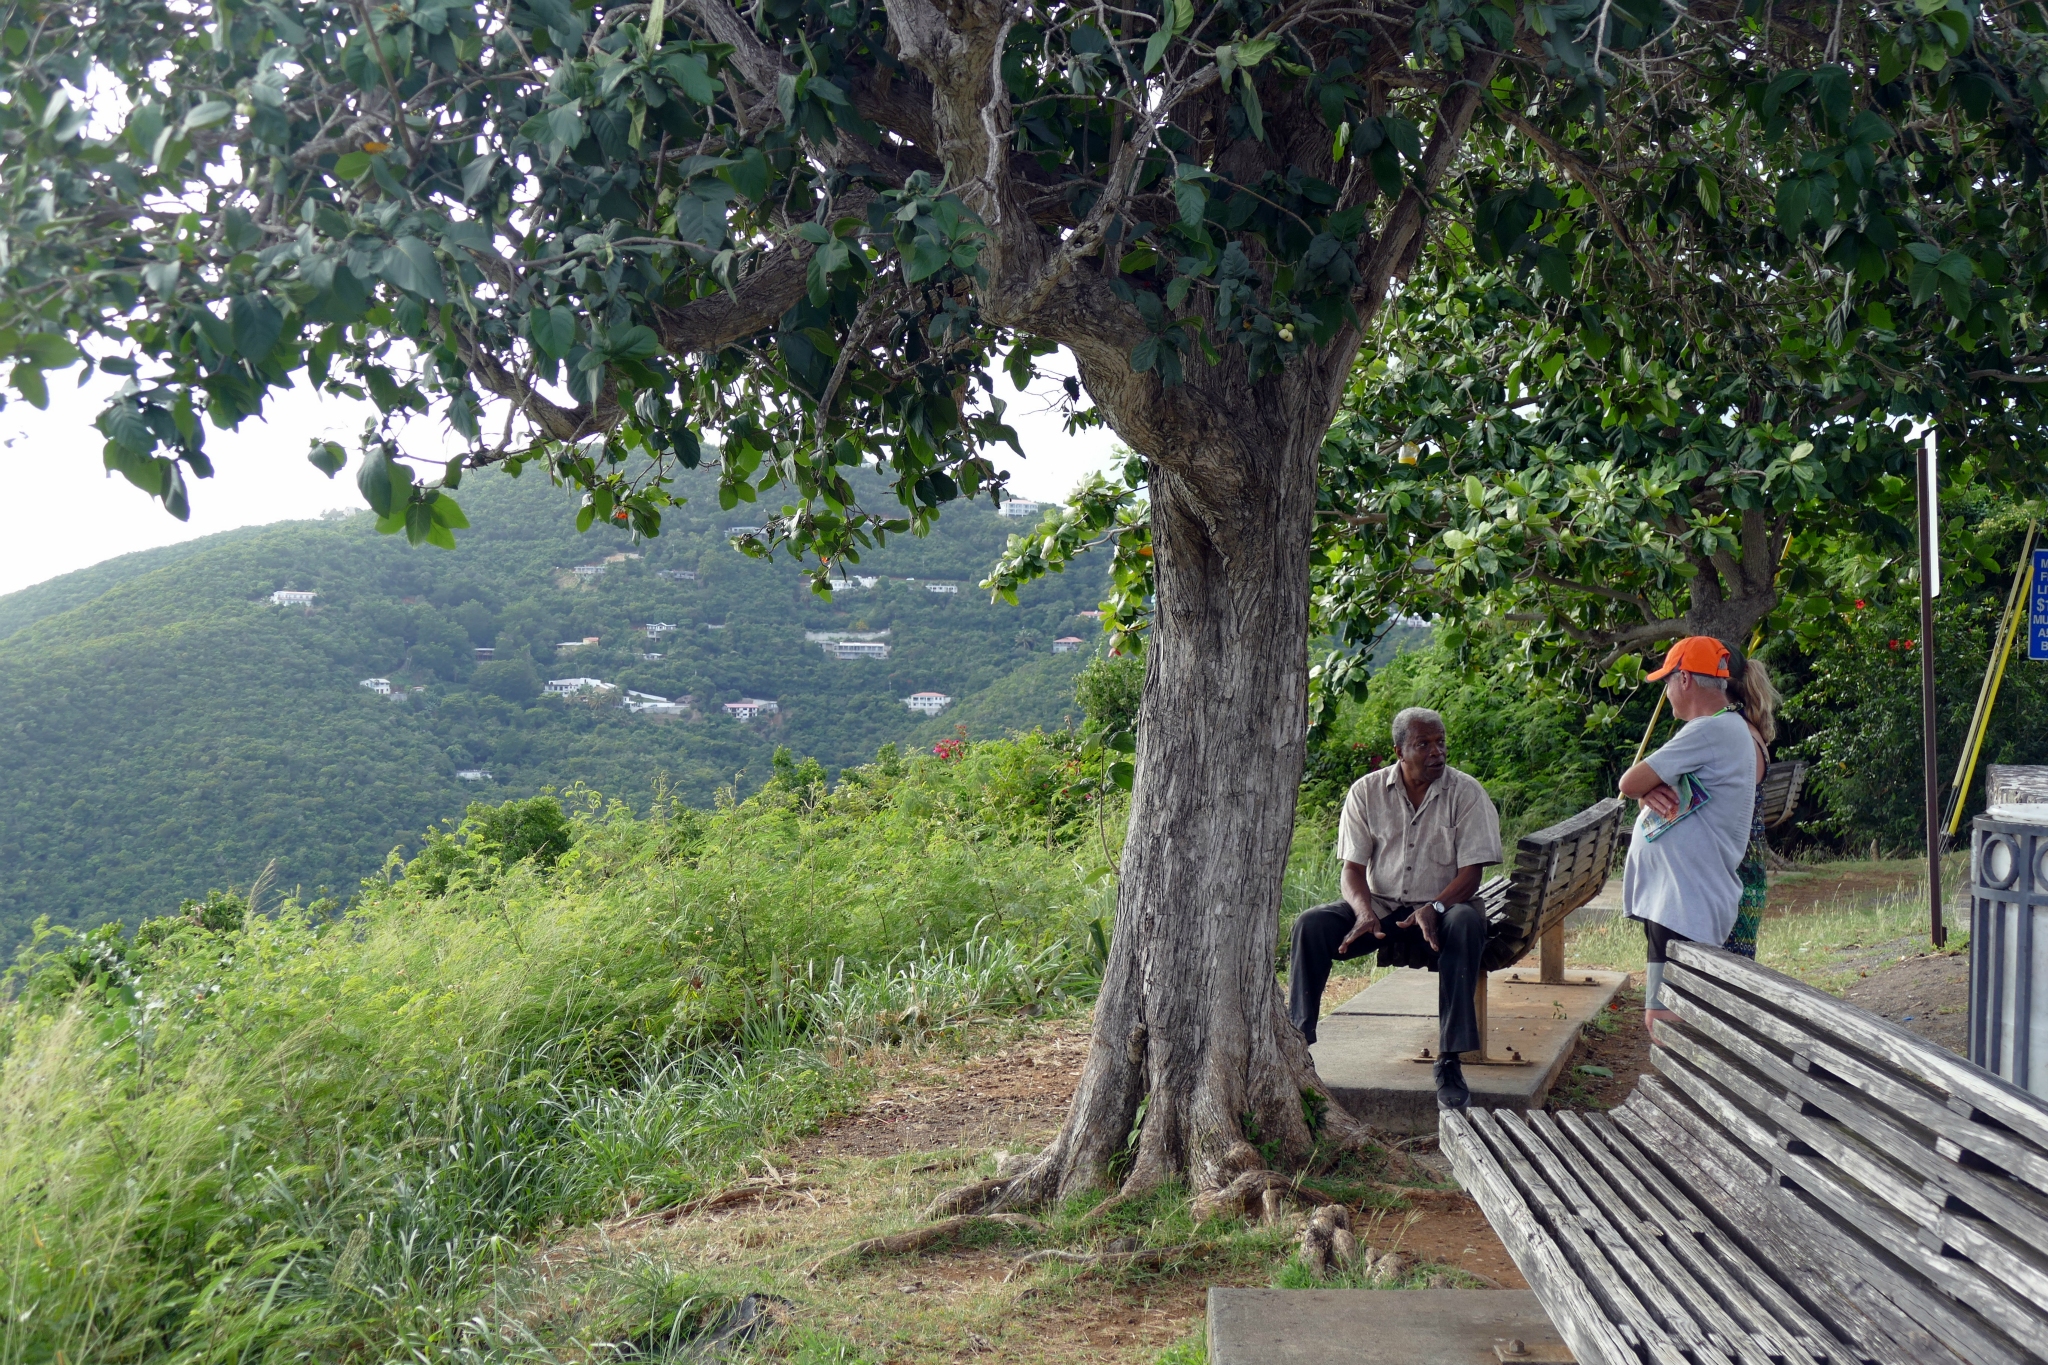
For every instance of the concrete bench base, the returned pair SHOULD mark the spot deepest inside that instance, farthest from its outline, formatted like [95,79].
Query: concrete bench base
[1365,1048]
[1378,1327]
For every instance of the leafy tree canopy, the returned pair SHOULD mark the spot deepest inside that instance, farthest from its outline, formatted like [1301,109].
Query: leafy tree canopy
[811,231]
[1661,372]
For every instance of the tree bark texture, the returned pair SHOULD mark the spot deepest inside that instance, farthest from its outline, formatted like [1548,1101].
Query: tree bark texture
[1190,1023]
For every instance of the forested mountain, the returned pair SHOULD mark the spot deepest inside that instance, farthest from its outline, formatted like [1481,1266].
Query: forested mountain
[169,729]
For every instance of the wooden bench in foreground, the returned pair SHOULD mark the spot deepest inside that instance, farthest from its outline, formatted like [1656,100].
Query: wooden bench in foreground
[1801,1181]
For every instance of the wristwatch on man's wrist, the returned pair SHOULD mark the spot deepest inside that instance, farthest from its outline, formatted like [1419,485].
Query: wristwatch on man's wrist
[1437,906]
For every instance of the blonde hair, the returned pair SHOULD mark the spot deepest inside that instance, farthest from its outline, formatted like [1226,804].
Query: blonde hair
[1759,699]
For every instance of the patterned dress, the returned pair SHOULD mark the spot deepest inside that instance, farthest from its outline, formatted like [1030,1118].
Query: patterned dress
[1755,878]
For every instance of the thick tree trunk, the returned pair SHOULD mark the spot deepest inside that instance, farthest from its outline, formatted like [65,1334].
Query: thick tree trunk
[1192,1045]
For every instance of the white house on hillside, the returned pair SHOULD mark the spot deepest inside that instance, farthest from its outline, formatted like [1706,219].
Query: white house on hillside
[942,587]
[737,531]
[381,686]
[589,570]
[679,575]
[1066,644]
[473,775]
[563,687]
[856,649]
[654,628]
[291,597]
[1019,507]
[928,703]
[746,708]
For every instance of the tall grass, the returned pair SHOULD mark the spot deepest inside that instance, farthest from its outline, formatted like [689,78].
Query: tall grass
[310,1135]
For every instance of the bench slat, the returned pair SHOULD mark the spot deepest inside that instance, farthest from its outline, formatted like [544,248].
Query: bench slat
[2017,1161]
[1804,1252]
[1865,1032]
[1886,1157]
[1968,1338]
[1579,1319]
[1648,1242]
[1611,1283]
[1744,1288]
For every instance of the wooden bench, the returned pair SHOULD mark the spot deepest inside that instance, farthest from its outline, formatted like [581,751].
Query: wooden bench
[1784,784]
[1554,872]
[1801,1181]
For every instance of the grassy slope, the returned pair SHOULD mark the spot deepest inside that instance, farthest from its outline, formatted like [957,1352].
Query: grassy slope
[173,731]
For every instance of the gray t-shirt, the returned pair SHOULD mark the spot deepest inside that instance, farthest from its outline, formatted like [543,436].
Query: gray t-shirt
[1686,880]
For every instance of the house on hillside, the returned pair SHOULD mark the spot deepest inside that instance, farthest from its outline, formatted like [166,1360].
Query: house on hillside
[589,570]
[473,775]
[654,628]
[569,646]
[948,588]
[1067,644]
[291,597]
[679,575]
[650,657]
[746,708]
[1091,615]
[856,649]
[654,703]
[621,557]
[1019,508]
[381,686]
[737,531]
[927,703]
[852,581]
[485,653]
[564,687]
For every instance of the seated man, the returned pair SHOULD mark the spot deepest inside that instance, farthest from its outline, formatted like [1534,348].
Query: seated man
[1414,838]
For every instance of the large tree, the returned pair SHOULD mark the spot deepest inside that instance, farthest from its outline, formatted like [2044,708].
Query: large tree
[808,233]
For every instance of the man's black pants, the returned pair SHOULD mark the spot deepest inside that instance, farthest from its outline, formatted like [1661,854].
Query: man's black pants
[1461,930]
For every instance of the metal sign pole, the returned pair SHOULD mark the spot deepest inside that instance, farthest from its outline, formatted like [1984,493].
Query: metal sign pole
[1930,585]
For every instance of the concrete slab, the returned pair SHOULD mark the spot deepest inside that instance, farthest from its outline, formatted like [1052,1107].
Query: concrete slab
[1365,1050]
[1377,1327]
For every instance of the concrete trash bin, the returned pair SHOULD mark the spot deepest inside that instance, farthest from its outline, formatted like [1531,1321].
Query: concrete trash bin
[2009,944]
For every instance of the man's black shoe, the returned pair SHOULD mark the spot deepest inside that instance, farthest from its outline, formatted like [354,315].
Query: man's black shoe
[1451,1090]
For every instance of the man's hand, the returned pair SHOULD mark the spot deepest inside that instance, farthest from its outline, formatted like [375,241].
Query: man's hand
[1424,917]
[1662,799]
[1367,923]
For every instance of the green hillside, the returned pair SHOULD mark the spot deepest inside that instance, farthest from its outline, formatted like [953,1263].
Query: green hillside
[172,730]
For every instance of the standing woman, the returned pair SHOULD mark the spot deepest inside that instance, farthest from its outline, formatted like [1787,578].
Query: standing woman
[1751,692]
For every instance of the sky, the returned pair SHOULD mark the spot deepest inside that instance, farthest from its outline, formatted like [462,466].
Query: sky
[68,512]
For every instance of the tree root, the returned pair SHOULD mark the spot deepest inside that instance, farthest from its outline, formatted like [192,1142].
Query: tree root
[1246,1195]
[972,1198]
[746,1192]
[1144,1256]
[917,1239]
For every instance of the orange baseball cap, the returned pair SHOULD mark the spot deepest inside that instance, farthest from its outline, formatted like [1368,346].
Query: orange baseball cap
[1695,654]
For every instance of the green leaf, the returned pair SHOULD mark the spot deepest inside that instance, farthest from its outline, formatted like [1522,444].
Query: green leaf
[411,266]
[1475,492]
[328,457]
[1710,192]
[385,484]
[1155,47]
[446,513]
[28,381]
[205,115]
[255,324]
[1248,96]
[925,259]
[1192,200]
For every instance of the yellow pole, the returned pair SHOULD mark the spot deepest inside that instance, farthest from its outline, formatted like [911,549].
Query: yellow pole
[1994,675]
[1650,729]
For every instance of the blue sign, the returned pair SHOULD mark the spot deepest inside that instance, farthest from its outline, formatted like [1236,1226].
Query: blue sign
[2037,608]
